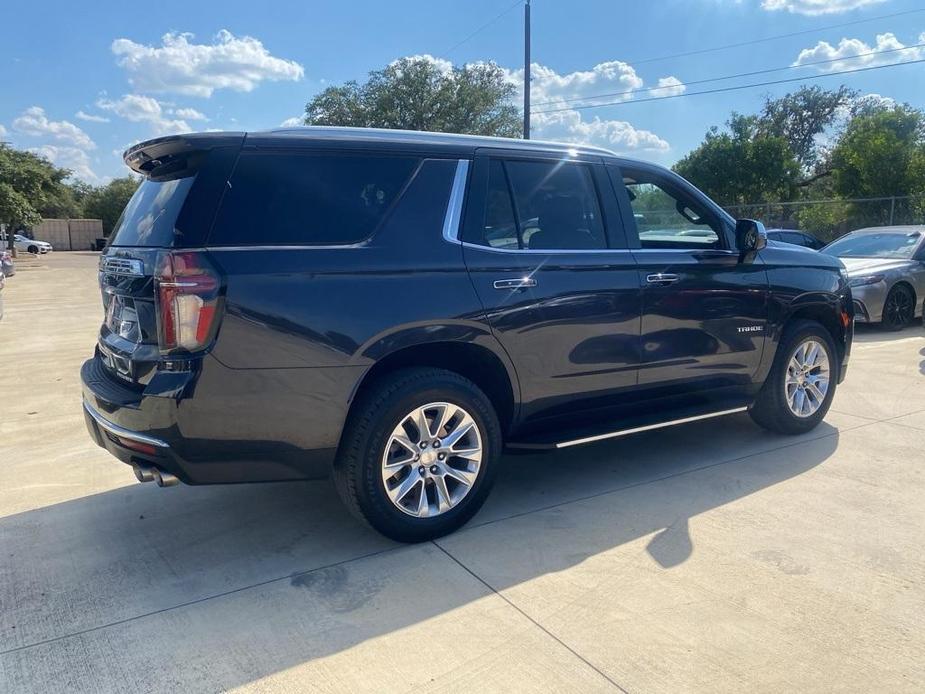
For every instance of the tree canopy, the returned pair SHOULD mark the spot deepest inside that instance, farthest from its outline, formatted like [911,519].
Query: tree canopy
[107,202]
[31,188]
[743,164]
[420,94]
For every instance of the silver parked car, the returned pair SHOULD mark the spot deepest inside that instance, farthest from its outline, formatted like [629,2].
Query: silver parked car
[886,266]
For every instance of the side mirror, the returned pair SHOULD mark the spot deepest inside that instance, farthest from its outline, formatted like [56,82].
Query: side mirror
[750,236]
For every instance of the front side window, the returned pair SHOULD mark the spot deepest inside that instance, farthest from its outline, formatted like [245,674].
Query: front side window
[540,205]
[289,198]
[667,217]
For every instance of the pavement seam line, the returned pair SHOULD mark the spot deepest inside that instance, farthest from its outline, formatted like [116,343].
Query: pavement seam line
[386,550]
[528,617]
[190,603]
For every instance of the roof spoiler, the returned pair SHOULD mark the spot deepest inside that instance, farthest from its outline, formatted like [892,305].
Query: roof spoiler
[170,155]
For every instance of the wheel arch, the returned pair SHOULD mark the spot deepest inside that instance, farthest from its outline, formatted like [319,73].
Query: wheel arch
[822,310]
[489,369]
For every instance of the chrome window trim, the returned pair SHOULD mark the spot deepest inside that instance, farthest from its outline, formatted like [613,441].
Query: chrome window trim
[289,247]
[453,216]
[724,251]
[550,251]
[121,432]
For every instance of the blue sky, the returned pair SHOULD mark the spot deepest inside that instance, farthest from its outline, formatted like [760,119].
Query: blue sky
[81,81]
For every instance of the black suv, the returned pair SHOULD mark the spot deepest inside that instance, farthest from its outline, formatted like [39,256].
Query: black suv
[396,308]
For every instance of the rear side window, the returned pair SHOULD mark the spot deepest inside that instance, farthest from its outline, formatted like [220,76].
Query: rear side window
[277,199]
[150,217]
[556,205]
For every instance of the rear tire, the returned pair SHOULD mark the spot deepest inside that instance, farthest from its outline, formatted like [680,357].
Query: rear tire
[388,472]
[789,401]
[898,308]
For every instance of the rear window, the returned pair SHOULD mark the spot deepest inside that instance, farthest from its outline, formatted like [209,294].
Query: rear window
[296,198]
[150,217]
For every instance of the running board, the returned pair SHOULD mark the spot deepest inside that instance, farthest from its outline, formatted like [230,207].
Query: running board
[526,445]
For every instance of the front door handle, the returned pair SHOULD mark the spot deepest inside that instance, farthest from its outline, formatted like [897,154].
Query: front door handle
[661,278]
[520,283]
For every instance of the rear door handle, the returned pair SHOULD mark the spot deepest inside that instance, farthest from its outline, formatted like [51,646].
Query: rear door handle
[520,283]
[661,278]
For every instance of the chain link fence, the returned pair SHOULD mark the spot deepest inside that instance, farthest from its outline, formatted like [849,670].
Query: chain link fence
[829,219]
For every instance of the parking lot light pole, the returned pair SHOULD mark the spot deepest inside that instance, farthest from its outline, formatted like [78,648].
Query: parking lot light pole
[527,70]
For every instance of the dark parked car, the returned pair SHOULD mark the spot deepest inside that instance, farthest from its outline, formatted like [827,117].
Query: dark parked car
[395,308]
[796,237]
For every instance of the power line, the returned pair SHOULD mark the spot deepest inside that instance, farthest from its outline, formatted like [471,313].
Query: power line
[732,89]
[773,38]
[729,77]
[483,27]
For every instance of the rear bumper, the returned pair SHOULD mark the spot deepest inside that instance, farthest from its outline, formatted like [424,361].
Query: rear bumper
[148,430]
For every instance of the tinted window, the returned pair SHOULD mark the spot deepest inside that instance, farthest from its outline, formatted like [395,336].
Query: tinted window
[667,217]
[500,226]
[875,245]
[308,199]
[556,205]
[151,214]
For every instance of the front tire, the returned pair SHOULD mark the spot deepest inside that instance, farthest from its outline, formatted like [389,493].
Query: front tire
[33,249]
[899,308]
[419,454]
[798,392]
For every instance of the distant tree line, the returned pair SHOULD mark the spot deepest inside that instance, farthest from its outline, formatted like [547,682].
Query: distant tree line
[32,188]
[816,144]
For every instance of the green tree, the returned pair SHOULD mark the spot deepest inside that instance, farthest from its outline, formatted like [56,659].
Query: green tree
[876,155]
[801,116]
[28,184]
[107,202]
[417,94]
[743,164]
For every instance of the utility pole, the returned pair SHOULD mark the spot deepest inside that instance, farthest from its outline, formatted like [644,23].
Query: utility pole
[527,70]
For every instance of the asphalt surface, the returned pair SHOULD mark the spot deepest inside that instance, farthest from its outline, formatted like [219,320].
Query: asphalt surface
[709,557]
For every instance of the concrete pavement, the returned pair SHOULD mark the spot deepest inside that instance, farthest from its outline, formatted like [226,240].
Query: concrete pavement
[709,557]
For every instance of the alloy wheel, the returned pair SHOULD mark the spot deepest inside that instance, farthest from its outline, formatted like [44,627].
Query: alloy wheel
[899,307]
[432,459]
[807,378]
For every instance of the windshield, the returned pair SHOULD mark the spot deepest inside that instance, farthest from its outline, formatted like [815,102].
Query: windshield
[149,217]
[878,245]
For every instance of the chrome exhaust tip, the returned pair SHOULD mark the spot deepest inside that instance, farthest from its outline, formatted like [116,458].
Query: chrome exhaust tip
[165,479]
[143,473]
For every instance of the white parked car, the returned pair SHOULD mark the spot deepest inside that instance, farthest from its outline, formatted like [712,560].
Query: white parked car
[27,245]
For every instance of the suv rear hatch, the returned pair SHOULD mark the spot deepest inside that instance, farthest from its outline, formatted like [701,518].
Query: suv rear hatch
[160,295]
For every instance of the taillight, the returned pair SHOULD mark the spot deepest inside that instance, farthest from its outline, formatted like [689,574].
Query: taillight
[187,291]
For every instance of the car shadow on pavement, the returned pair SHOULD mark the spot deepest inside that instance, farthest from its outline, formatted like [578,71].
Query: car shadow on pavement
[250,580]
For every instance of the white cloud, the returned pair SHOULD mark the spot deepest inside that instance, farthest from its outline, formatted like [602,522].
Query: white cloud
[91,117]
[292,122]
[549,87]
[843,55]
[144,109]
[2,131]
[34,122]
[554,92]
[188,114]
[183,67]
[618,135]
[73,158]
[817,7]
[669,86]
